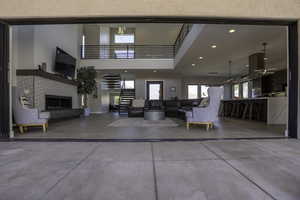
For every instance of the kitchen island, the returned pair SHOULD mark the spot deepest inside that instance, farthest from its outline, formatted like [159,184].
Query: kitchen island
[272,110]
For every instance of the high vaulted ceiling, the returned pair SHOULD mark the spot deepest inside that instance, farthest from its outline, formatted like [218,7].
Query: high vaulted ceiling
[236,46]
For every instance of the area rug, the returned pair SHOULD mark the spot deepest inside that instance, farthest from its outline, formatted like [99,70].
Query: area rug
[140,122]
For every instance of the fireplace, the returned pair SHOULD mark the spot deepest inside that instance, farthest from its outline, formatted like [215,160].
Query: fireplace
[54,102]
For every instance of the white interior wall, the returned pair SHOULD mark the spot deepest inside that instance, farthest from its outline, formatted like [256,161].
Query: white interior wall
[23,47]
[33,45]
[167,84]
[48,37]
[92,34]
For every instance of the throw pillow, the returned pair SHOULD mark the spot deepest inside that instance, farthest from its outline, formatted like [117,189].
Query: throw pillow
[138,103]
[204,102]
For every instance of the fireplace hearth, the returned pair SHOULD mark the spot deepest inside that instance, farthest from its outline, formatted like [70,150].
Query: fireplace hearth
[54,102]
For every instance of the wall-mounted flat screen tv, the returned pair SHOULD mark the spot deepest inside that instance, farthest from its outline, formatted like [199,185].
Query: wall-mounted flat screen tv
[65,64]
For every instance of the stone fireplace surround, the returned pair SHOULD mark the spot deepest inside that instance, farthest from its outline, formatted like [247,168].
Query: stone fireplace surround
[41,84]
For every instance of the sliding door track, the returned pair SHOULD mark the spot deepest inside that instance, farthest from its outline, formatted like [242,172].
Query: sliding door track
[135,140]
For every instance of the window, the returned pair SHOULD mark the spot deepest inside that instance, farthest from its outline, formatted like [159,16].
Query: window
[124,54]
[204,91]
[124,38]
[192,91]
[127,84]
[116,100]
[83,47]
[245,90]
[236,90]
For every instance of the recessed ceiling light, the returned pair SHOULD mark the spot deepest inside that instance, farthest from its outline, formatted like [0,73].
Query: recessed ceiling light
[193,65]
[231,31]
[125,71]
[247,65]
[154,71]
[213,46]
[201,58]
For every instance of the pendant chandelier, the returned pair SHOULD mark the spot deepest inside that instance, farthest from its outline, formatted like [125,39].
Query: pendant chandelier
[266,70]
[121,30]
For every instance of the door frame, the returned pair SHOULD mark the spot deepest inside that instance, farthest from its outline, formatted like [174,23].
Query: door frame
[293,67]
[4,81]
[161,88]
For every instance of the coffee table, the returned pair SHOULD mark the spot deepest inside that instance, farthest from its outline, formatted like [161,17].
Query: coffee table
[154,115]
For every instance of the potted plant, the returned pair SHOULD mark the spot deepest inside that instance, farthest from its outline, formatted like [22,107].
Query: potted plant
[86,85]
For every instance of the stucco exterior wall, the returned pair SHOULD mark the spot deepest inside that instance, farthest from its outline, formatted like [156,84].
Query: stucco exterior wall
[287,9]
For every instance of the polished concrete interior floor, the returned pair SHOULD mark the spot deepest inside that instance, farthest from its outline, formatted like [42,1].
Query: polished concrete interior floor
[96,127]
[208,170]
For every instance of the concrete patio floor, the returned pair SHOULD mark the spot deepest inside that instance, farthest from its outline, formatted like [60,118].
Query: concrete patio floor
[227,170]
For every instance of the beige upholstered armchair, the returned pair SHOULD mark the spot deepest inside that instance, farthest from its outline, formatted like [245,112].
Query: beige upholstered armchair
[25,116]
[206,115]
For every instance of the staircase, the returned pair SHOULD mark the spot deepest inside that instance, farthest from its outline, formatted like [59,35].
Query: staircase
[126,96]
[111,81]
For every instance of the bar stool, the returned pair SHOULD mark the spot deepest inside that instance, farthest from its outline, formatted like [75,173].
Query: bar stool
[251,110]
[228,108]
[246,110]
[259,110]
[233,110]
[239,109]
[242,107]
[221,111]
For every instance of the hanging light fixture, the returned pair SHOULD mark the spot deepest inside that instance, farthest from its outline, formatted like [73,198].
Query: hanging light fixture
[230,79]
[266,70]
[121,30]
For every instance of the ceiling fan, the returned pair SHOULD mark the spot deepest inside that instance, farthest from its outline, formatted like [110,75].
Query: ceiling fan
[265,70]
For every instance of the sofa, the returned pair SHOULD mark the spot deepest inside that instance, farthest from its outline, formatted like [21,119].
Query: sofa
[172,108]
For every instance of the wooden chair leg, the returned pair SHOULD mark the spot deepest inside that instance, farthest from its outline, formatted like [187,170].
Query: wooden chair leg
[207,127]
[188,126]
[21,129]
[44,128]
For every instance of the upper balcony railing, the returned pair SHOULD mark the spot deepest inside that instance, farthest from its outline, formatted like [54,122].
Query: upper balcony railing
[127,52]
[185,29]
